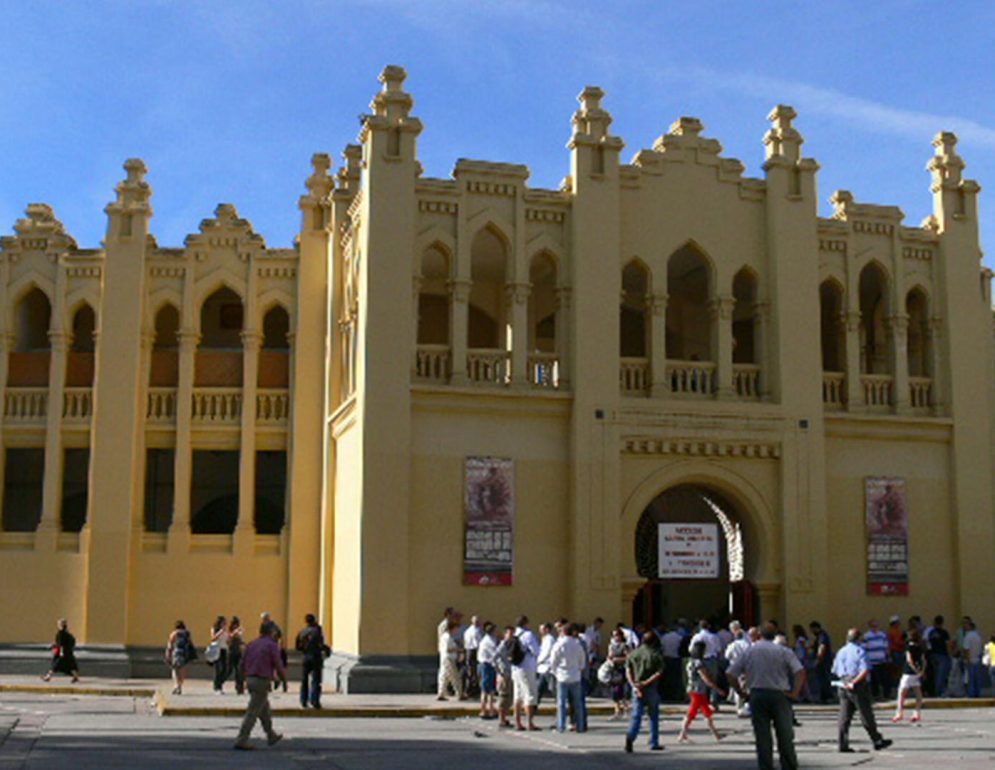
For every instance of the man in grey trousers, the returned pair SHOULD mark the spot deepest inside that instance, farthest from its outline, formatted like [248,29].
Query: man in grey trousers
[769,669]
[259,662]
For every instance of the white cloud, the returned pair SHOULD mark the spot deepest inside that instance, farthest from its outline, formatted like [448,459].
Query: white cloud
[862,113]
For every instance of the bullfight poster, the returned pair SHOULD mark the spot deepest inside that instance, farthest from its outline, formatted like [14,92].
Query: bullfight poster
[489,521]
[887,523]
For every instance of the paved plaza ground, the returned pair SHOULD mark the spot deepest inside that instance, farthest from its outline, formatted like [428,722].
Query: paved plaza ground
[56,729]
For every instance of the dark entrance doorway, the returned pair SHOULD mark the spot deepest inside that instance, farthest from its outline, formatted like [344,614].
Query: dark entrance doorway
[664,600]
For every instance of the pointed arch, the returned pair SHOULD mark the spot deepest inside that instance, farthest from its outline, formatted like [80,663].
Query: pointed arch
[542,242]
[272,298]
[164,295]
[434,237]
[690,288]
[873,285]
[165,361]
[220,278]
[544,279]
[745,287]
[490,268]
[831,325]
[637,281]
[83,296]
[23,286]
[919,339]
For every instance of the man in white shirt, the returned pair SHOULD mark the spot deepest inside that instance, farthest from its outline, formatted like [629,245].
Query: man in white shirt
[544,673]
[487,673]
[713,648]
[471,641]
[523,675]
[569,662]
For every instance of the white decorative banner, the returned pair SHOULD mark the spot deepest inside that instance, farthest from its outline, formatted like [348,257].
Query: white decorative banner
[688,551]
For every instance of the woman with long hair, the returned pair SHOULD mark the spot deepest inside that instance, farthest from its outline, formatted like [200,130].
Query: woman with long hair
[235,645]
[219,636]
[912,674]
[179,652]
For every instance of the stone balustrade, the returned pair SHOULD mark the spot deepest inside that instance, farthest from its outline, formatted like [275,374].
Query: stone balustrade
[833,390]
[272,406]
[26,405]
[217,406]
[634,376]
[877,390]
[691,378]
[432,363]
[920,392]
[746,381]
[490,366]
[77,405]
[161,406]
[544,370]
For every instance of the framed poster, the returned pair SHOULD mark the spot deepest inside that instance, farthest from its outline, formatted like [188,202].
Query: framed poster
[488,521]
[688,551]
[886,520]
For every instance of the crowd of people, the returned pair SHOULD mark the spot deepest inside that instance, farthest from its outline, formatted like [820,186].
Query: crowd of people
[760,670]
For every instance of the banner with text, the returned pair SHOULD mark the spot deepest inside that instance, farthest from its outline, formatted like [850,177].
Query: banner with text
[887,523]
[489,521]
[688,551]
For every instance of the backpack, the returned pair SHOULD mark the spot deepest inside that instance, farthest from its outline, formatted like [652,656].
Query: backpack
[517,654]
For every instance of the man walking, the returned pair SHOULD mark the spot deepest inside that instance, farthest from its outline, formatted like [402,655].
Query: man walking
[643,670]
[568,662]
[311,644]
[850,666]
[260,661]
[768,670]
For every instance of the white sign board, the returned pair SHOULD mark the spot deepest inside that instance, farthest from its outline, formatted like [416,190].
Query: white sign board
[688,551]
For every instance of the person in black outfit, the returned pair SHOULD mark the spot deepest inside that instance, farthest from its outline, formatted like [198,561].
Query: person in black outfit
[63,653]
[311,644]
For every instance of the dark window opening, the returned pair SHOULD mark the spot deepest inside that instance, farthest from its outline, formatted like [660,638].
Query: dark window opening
[22,489]
[214,493]
[75,483]
[159,464]
[271,492]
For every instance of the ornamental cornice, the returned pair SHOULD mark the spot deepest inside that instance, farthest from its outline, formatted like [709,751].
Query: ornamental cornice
[701,447]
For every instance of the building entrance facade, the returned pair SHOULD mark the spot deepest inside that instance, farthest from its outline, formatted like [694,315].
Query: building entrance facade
[664,597]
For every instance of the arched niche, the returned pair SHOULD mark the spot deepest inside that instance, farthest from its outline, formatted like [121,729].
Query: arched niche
[689,321]
[274,356]
[744,321]
[634,310]
[832,330]
[433,297]
[219,354]
[542,303]
[488,320]
[873,287]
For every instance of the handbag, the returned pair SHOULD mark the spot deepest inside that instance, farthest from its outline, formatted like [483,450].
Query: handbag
[605,671]
[212,652]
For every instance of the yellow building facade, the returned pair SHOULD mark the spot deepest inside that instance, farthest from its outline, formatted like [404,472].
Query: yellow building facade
[230,428]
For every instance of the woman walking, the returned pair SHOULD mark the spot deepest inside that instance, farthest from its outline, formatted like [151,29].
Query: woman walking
[235,645]
[63,653]
[219,637]
[912,673]
[179,652]
[699,685]
[618,651]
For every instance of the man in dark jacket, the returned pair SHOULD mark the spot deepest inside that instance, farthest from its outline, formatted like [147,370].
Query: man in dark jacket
[311,644]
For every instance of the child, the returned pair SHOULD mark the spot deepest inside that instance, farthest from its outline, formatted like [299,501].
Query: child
[699,684]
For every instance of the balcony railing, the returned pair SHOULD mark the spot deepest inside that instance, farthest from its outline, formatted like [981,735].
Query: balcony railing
[920,392]
[693,378]
[217,406]
[634,376]
[833,390]
[746,380]
[161,406]
[77,405]
[432,363]
[544,370]
[877,389]
[25,405]
[492,366]
[272,406]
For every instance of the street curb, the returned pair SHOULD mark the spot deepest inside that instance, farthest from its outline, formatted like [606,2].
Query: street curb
[65,689]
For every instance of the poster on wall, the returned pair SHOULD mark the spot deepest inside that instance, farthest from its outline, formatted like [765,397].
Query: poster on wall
[887,523]
[688,551]
[489,521]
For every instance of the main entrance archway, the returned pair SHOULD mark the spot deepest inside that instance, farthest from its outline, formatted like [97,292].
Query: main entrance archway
[715,587]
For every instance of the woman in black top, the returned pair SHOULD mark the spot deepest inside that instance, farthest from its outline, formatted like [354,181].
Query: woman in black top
[63,653]
[912,674]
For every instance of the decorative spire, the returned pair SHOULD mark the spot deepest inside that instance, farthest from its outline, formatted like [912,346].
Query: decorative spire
[320,184]
[392,102]
[41,228]
[946,165]
[591,121]
[348,175]
[783,140]
[133,192]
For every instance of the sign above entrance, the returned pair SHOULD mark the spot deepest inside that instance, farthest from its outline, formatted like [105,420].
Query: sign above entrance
[688,551]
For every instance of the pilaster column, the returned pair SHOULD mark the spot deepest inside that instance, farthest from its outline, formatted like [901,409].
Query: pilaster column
[761,323]
[517,297]
[147,344]
[660,385]
[179,530]
[769,596]
[459,304]
[898,328]
[854,391]
[52,485]
[562,330]
[416,282]
[6,345]
[245,529]
[936,364]
[721,313]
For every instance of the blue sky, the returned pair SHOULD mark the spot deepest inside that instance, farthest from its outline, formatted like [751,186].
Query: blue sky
[226,101]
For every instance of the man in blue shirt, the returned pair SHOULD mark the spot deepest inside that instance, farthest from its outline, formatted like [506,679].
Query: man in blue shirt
[850,667]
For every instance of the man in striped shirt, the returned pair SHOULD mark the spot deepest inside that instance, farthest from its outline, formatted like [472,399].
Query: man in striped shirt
[876,649]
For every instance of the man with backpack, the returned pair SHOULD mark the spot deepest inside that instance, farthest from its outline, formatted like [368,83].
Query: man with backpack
[311,644]
[524,663]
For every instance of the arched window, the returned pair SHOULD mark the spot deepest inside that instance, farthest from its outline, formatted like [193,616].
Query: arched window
[488,309]
[873,315]
[79,362]
[219,356]
[274,358]
[744,328]
[689,323]
[542,304]
[29,360]
[833,333]
[917,308]
[633,326]
[164,371]
[433,298]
